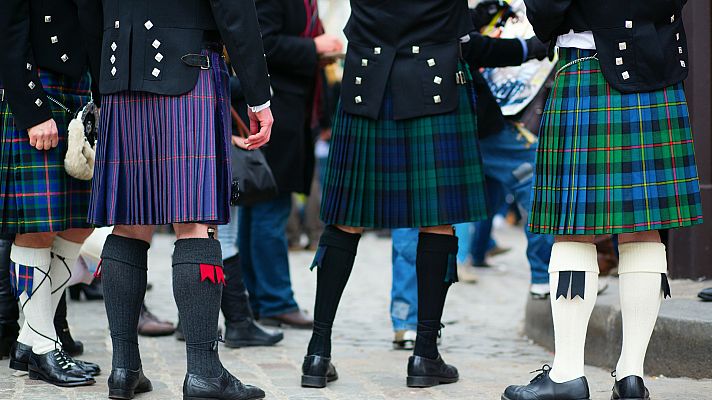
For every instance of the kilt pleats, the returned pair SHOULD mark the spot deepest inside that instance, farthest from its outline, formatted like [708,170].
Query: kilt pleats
[165,159]
[610,162]
[408,173]
[36,193]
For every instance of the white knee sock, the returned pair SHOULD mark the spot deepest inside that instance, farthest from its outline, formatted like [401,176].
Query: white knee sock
[38,329]
[640,268]
[64,256]
[571,315]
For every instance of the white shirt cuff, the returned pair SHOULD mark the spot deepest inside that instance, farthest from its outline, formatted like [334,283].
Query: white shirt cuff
[257,109]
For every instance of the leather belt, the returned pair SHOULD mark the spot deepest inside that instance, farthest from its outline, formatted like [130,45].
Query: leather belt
[197,60]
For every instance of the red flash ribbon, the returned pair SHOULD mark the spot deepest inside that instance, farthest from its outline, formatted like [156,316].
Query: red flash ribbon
[220,274]
[97,273]
[207,271]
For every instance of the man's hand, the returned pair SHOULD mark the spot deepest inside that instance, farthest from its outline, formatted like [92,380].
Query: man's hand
[326,44]
[260,128]
[44,136]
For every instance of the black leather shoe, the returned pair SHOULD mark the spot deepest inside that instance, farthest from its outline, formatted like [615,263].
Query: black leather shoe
[630,388]
[543,388]
[249,333]
[57,368]
[20,360]
[224,387]
[124,383]
[424,372]
[705,294]
[317,371]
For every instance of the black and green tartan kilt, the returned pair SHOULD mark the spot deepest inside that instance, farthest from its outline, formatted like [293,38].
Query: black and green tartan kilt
[418,172]
[612,162]
[36,194]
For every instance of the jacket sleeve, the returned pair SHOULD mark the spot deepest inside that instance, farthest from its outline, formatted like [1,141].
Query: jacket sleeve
[91,19]
[18,72]
[547,16]
[484,51]
[291,53]
[237,22]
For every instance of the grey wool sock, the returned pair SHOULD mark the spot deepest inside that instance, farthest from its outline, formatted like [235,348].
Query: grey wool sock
[198,278]
[124,273]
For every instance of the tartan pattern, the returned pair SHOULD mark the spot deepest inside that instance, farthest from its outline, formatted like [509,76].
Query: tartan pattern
[610,162]
[165,159]
[22,279]
[36,194]
[408,173]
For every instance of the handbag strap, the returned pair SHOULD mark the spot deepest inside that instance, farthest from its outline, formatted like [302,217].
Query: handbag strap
[242,129]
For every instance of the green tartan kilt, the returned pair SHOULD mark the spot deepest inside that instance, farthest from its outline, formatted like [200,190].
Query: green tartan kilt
[36,194]
[419,172]
[610,162]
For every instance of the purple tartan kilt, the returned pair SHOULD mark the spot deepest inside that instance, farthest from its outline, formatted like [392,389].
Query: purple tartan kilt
[165,159]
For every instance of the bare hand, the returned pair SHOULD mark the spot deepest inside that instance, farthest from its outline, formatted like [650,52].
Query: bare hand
[239,141]
[44,136]
[328,44]
[260,127]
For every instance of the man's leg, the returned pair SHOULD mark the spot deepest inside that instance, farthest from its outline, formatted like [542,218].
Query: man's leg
[9,312]
[404,288]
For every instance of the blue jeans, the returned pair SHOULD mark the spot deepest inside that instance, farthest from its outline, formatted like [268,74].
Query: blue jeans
[482,241]
[262,240]
[227,235]
[509,159]
[404,290]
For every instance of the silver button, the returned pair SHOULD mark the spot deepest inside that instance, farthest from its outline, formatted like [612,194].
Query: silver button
[148,25]
[376,50]
[629,24]
[677,36]
[113,71]
[622,46]
[54,39]
[415,49]
[28,66]
[31,85]
[38,102]
[619,61]
[364,62]
[113,46]
[437,99]
[357,99]
[48,18]
[64,58]
[679,50]
[156,44]
[112,59]
[672,18]
[431,62]
[438,80]
[682,62]
[358,80]
[625,75]
[116,24]
[156,72]
[159,57]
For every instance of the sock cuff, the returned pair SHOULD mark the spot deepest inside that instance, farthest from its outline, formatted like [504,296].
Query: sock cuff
[642,257]
[335,237]
[197,251]
[64,248]
[574,256]
[126,250]
[30,257]
[435,242]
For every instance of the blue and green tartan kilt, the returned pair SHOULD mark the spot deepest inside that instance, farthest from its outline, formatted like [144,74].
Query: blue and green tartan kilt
[36,194]
[418,172]
[611,162]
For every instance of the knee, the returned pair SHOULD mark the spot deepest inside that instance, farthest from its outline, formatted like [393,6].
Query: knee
[637,237]
[139,232]
[76,235]
[193,231]
[35,240]
[575,238]
[440,230]
[349,229]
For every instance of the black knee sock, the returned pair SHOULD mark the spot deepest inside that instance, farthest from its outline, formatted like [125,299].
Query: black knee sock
[124,269]
[235,303]
[433,264]
[334,261]
[198,279]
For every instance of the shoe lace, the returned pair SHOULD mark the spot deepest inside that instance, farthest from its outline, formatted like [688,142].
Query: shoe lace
[64,360]
[544,370]
[613,373]
[440,331]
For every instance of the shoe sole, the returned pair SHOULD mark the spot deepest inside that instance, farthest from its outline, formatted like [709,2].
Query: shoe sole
[428,381]
[259,396]
[318,382]
[38,376]
[507,398]
[278,324]
[18,365]
[239,344]
[123,394]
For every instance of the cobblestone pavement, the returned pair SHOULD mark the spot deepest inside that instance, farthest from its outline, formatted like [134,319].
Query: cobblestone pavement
[482,339]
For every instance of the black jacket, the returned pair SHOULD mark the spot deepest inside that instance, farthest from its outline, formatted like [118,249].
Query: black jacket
[641,44]
[293,65]
[50,35]
[144,42]
[411,45]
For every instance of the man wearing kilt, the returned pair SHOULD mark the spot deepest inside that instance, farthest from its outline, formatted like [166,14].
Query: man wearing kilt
[163,158]
[404,154]
[616,156]
[44,74]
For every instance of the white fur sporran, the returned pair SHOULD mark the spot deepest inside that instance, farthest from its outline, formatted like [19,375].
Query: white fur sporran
[81,144]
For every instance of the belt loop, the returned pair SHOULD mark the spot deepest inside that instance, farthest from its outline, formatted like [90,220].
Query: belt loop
[2,94]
